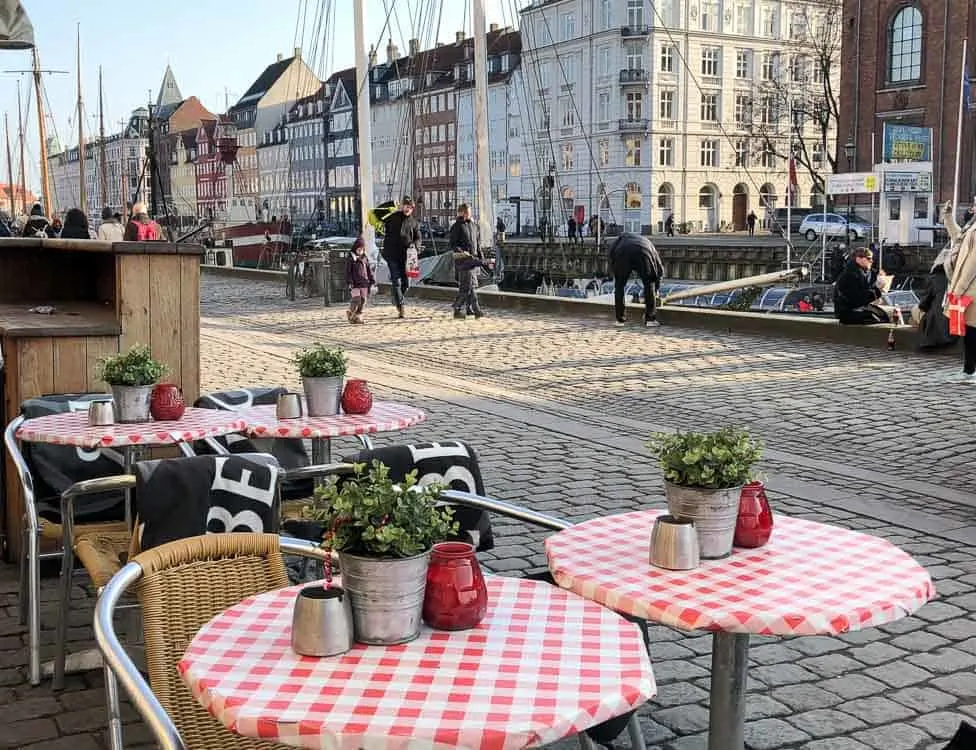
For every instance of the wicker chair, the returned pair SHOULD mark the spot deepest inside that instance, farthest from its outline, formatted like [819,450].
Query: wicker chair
[181,586]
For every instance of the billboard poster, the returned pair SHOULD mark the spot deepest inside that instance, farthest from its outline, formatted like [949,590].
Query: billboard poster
[906,143]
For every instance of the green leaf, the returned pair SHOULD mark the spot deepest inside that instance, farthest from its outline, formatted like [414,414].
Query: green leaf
[713,460]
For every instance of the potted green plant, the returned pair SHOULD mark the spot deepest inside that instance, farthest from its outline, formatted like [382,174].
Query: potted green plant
[322,370]
[704,473]
[131,375]
[383,532]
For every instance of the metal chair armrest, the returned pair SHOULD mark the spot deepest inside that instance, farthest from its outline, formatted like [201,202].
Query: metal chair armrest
[503,508]
[138,690]
[23,470]
[316,471]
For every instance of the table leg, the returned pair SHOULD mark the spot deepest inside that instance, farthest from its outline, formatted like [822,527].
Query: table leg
[321,451]
[730,663]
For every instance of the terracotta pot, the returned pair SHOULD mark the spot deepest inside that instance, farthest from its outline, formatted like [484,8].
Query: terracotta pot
[456,597]
[357,398]
[754,524]
[166,404]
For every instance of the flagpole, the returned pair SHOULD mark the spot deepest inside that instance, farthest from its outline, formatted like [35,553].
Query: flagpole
[962,102]
[789,186]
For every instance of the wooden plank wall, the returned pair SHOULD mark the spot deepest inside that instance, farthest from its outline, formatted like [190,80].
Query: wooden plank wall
[33,367]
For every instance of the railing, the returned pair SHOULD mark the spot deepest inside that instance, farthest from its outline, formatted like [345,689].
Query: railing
[631,125]
[634,75]
[643,30]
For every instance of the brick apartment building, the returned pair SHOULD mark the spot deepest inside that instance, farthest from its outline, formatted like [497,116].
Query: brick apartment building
[902,66]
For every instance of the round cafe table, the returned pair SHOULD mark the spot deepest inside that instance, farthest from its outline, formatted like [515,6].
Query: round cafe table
[385,416]
[542,665]
[810,579]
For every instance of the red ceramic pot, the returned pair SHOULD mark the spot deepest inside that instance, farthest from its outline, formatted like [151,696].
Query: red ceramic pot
[754,525]
[456,597]
[356,397]
[166,404]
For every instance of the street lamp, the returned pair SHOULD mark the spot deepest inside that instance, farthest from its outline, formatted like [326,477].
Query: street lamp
[849,151]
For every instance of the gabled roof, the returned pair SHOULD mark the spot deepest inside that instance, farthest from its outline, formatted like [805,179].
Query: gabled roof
[265,81]
[169,92]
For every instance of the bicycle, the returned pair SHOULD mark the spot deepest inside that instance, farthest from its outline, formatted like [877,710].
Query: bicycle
[298,274]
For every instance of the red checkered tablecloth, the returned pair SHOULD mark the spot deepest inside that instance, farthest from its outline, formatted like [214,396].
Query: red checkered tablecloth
[72,428]
[543,664]
[385,416]
[810,579]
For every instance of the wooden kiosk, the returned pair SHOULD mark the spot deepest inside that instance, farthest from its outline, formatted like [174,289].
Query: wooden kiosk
[106,297]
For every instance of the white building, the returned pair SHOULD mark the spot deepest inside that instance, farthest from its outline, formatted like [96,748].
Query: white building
[273,168]
[651,105]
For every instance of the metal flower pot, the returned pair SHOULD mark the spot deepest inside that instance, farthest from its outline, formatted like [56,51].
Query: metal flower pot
[322,396]
[131,402]
[714,513]
[387,596]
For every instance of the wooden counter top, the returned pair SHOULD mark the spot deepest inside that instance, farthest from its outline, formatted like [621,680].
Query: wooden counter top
[97,246]
[69,319]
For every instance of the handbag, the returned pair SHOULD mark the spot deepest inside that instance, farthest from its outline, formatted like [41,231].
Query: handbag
[956,310]
[413,262]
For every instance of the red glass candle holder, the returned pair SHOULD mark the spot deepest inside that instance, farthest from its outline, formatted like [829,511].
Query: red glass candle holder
[356,397]
[754,525]
[456,597]
[166,403]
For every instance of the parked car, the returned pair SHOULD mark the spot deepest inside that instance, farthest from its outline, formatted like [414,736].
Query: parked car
[834,225]
[796,217]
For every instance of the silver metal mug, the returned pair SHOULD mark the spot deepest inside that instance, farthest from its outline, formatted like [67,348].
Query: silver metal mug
[289,406]
[101,413]
[322,622]
[674,544]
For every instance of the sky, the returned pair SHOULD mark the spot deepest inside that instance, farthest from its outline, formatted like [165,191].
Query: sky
[215,48]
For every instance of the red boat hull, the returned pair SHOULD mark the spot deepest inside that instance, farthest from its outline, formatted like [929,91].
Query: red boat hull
[256,243]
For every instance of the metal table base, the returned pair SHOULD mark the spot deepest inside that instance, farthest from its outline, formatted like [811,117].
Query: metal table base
[727,699]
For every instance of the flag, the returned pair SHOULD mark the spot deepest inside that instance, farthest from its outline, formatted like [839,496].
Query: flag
[792,188]
[16,31]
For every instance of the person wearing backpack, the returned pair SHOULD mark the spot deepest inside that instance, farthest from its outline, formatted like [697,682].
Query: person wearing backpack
[140,227]
[37,224]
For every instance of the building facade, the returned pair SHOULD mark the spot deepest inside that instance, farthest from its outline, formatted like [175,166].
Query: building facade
[210,173]
[305,127]
[342,154]
[273,168]
[903,70]
[648,109]
[393,164]
[183,178]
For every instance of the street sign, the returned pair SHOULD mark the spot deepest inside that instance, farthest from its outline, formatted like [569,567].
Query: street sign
[907,182]
[852,183]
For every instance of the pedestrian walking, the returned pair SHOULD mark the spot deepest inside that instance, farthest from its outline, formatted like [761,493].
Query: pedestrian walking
[634,253]
[499,231]
[401,230]
[669,225]
[467,261]
[751,222]
[110,229]
[960,308]
[572,229]
[359,277]
[37,224]
[140,227]
[75,225]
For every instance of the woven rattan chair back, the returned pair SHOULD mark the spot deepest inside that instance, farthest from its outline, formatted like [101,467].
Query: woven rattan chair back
[184,585]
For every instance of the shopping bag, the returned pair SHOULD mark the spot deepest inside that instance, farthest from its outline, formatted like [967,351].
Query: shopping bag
[956,310]
[413,263]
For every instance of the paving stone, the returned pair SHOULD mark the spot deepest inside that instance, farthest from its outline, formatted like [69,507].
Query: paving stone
[959,629]
[21,733]
[876,653]
[679,694]
[781,674]
[74,742]
[663,651]
[826,722]
[876,710]
[830,665]
[677,669]
[920,640]
[767,734]
[942,724]
[683,719]
[691,742]
[817,645]
[30,708]
[923,699]
[944,661]
[960,684]
[773,653]
[892,737]
[835,743]
[939,611]
[899,674]
[806,697]
[764,707]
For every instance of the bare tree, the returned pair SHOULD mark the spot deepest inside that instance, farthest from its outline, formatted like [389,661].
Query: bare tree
[802,82]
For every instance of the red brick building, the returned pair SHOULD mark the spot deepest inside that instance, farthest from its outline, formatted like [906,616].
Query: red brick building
[210,173]
[902,65]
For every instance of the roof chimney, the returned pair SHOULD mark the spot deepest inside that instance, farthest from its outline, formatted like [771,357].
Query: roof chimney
[298,52]
[280,57]
[458,37]
[493,27]
[414,47]
[372,56]
[392,51]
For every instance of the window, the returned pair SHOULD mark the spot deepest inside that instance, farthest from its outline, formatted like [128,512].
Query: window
[743,18]
[817,155]
[770,23]
[709,107]
[606,13]
[894,209]
[635,105]
[603,61]
[544,76]
[743,66]
[567,113]
[665,195]
[667,59]
[798,26]
[635,13]
[709,16]
[709,61]
[743,109]
[742,153]
[663,12]
[603,151]
[799,69]
[632,199]
[567,156]
[632,155]
[706,197]
[568,73]
[603,107]
[567,22]
[905,46]
[767,159]
[635,55]
[921,208]
[709,153]
[767,110]
[665,152]
[666,105]
[768,72]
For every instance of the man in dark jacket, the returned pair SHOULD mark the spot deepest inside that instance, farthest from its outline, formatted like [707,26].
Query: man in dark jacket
[856,288]
[37,224]
[401,230]
[463,240]
[634,253]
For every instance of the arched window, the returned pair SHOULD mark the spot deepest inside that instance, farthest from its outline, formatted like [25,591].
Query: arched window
[632,197]
[569,197]
[905,46]
[665,196]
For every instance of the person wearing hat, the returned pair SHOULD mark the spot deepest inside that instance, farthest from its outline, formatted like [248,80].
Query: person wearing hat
[110,230]
[401,230]
[858,290]
[37,224]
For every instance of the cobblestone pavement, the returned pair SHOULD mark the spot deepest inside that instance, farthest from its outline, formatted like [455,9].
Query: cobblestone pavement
[559,409]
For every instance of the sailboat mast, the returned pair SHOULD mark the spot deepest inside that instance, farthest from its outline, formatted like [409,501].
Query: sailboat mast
[23,170]
[364,123]
[82,198]
[482,159]
[10,166]
[103,164]
[42,133]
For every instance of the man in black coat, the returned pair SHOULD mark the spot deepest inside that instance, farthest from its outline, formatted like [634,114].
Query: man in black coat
[633,253]
[856,288]
[401,231]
